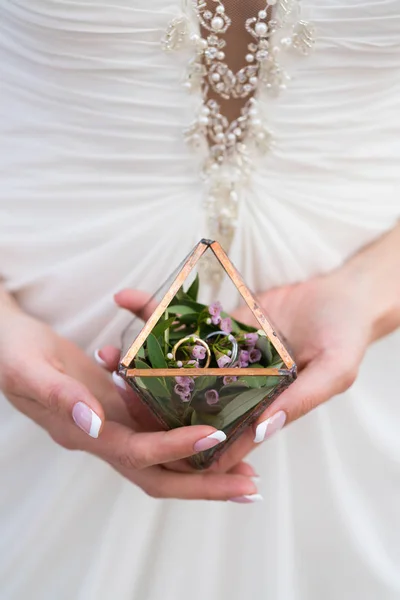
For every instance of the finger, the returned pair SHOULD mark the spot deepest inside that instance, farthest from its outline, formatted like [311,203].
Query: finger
[240,468]
[181,466]
[139,303]
[108,357]
[245,469]
[161,483]
[64,397]
[30,408]
[139,412]
[135,451]
[322,379]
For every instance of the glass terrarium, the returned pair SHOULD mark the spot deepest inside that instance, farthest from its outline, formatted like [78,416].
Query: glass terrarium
[192,363]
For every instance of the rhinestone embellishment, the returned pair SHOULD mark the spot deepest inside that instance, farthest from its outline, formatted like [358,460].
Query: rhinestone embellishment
[233,146]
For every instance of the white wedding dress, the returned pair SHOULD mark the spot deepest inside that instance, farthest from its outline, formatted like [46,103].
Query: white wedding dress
[100,191]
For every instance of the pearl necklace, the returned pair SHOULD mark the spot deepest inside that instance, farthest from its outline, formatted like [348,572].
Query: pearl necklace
[231,146]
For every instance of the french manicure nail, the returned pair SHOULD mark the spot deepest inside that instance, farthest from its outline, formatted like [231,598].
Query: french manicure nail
[86,419]
[98,359]
[270,426]
[249,499]
[256,479]
[119,382]
[210,441]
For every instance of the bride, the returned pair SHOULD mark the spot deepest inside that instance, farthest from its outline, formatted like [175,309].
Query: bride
[129,130]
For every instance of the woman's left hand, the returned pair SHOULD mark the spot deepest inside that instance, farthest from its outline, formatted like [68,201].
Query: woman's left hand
[329,321]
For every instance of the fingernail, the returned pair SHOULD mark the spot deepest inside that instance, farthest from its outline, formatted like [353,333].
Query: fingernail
[270,426]
[98,359]
[86,419]
[210,441]
[249,499]
[256,478]
[119,382]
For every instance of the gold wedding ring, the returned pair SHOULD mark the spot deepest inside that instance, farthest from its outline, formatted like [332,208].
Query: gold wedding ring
[195,340]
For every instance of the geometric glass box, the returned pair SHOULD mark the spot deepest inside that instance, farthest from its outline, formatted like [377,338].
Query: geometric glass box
[192,364]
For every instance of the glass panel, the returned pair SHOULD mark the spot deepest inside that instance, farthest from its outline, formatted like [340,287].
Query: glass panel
[200,365]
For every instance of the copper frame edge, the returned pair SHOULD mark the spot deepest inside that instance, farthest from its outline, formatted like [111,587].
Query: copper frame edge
[189,265]
[252,304]
[247,296]
[199,372]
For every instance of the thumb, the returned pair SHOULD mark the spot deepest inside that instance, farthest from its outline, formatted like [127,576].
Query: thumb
[66,397]
[139,303]
[319,381]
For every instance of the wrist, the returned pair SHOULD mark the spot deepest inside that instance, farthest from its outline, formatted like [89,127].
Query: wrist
[8,307]
[375,272]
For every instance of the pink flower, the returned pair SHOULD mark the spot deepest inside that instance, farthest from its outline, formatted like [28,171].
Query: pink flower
[193,363]
[199,352]
[215,309]
[212,397]
[251,339]
[185,382]
[223,361]
[254,355]
[226,325]
[229,379]
[183,392]
[244,359]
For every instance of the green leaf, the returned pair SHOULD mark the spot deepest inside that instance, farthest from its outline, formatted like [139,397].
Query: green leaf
[237,326]
[203,382]
[194,289]
[187,416]
[175,336]
[140,364]
[166,333]
[264,345]
[233,388]
[263,381]
[180,295]
[277,363]
[156,355]
[162,326]
[155,385]
[244,327]
[241,405]
[202,418]
[141,353]
[195,306]
[180,309]
[254,381]
[188,319]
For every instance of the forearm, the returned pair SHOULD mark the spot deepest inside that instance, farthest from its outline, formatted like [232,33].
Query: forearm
[8,305]
[376,269]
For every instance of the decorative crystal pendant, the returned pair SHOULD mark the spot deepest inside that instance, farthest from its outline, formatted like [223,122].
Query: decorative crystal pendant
[232,145]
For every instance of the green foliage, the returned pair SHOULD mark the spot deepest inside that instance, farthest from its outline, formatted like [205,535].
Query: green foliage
[156,385]
[265,347]
[162,326]
[193,291]
[241,404]
[156,355]
[204,382]
[180,309]
[185,317]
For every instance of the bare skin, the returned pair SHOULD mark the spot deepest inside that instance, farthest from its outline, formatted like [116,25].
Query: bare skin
[340,313]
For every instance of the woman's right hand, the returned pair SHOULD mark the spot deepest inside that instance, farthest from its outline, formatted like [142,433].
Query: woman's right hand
[53,382]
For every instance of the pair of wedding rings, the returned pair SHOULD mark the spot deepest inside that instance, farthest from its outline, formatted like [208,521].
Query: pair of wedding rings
[196,340]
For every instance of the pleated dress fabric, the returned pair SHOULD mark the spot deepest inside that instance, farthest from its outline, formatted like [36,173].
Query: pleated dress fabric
[100,192]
